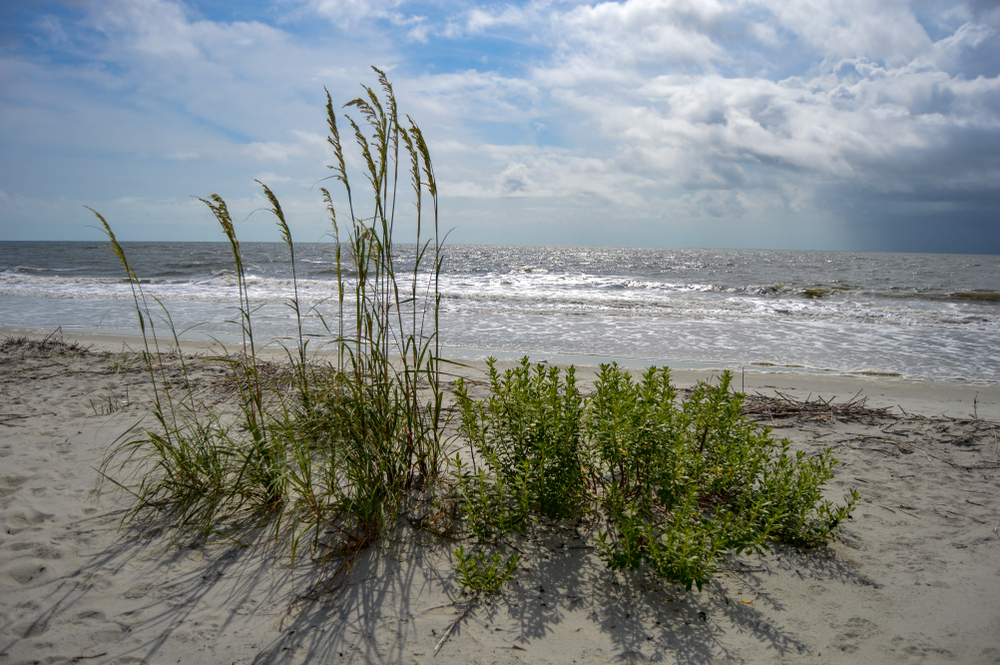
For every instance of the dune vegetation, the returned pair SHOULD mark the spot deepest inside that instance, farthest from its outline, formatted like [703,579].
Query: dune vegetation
[326,458]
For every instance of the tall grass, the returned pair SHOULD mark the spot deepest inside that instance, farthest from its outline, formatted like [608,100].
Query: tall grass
[327,465]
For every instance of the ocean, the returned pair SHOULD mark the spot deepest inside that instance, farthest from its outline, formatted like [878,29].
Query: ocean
[917,316]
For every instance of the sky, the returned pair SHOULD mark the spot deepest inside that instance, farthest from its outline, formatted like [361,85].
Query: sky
[867,125]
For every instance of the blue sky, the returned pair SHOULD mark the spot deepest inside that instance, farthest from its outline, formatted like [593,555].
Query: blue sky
[804,124]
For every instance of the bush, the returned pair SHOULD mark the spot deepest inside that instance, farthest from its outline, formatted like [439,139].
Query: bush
[528,433]
[678,485]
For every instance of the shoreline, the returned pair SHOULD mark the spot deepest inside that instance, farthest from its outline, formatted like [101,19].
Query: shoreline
[951,399]
[912,577]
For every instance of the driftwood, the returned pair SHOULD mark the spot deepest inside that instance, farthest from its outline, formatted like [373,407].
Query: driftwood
[780,406]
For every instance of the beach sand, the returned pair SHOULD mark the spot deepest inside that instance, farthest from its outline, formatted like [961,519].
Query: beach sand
[913,577]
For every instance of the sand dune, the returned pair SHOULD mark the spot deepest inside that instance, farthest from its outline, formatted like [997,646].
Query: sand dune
[913,577]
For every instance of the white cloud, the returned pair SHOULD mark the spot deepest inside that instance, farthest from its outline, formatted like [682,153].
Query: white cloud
[515,180]
[871,110]
[472,95]
[883,30]
[718,109]
[645,30]
[349,15]
[480,19]
[157,28]
[269,178]
[52,29]
[349,12]
[465,190]
[271,151]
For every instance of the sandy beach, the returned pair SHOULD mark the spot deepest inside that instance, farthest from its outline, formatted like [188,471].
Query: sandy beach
[913,577]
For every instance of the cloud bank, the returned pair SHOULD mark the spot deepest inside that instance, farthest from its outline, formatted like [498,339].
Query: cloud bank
[868,125]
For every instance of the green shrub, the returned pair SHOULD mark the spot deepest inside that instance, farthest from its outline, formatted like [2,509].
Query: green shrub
[528,435]
[477,573]
[679,485]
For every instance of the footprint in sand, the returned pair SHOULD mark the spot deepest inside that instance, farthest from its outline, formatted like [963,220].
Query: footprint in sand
[103,631]
[113,633]
[24,519]
[97,581]
[9,485]
[24,571]
[32,628]
[856,631]
[139,591]
[44,551]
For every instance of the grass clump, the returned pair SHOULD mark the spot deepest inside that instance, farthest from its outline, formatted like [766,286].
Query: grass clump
[677,485]
[327,465]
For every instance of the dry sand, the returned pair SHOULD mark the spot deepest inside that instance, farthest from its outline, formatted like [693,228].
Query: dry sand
[913,577]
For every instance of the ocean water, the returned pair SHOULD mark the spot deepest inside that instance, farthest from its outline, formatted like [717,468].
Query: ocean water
[922,316]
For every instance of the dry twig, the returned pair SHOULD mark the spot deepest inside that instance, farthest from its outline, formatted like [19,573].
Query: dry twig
[457,621]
